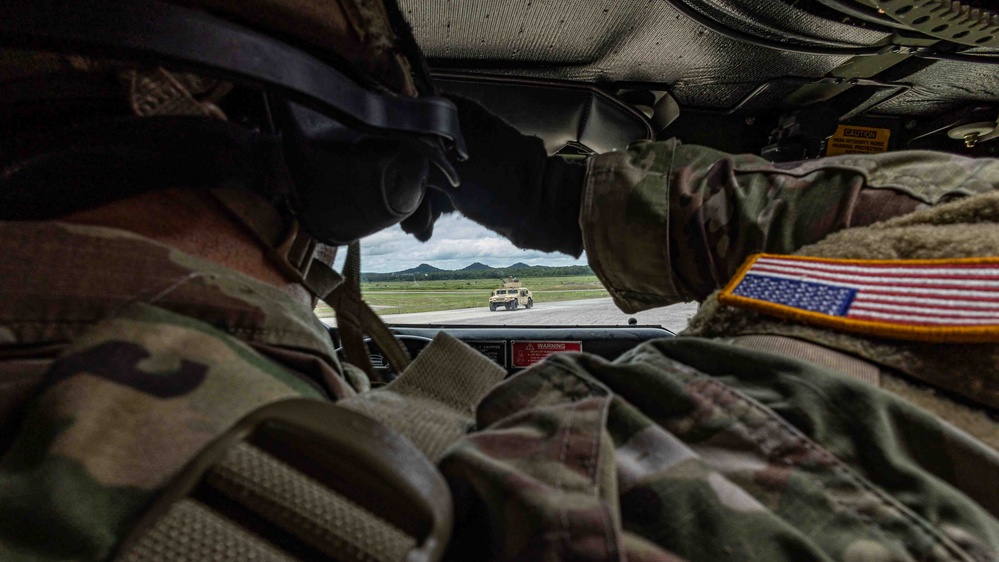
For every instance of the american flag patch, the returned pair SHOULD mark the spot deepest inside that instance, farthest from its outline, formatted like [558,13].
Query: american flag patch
[927,300]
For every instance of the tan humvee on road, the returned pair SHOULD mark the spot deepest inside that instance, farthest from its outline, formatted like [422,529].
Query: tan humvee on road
[511,296]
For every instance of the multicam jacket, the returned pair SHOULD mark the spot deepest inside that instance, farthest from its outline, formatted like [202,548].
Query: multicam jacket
[687,217]
[120,358]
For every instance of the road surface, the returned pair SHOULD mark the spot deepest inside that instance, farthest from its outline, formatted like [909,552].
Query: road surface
[589,312]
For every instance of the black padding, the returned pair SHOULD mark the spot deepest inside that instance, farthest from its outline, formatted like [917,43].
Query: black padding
[54,173]
[558,114]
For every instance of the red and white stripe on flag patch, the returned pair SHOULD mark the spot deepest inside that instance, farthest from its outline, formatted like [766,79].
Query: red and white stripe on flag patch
[955,300]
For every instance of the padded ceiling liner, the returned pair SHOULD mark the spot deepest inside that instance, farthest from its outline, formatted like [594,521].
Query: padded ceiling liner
[647,41]
[782,19]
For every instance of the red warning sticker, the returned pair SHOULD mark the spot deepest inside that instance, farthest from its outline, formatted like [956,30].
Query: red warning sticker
[527,353]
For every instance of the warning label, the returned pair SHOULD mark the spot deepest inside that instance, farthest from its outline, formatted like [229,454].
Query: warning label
[527,353]
[858,140]
[495,350]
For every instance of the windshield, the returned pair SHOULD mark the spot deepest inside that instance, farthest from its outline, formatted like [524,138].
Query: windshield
[448,281]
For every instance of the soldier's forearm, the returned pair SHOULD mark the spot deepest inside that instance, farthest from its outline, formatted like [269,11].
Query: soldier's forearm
[666,223]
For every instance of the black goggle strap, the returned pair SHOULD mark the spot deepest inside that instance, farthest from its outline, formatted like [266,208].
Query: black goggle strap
[310,263]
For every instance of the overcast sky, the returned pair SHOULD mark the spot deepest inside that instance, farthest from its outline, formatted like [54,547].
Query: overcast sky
[457,242]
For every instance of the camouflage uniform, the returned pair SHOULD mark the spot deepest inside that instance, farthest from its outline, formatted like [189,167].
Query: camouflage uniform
[687,217]
[120,358]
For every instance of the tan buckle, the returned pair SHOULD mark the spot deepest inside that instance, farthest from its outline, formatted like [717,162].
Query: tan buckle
[296,251]
[344,452]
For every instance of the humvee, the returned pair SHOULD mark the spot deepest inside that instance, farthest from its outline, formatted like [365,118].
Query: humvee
[511,295]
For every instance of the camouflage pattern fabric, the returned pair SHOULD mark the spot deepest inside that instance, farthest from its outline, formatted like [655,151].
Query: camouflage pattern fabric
[120,358]
[666,223]
[698,450]
[124,408]
[106,397]
[968,227]
[60,279]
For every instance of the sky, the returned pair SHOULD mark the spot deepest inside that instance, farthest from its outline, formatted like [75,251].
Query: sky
[457,242]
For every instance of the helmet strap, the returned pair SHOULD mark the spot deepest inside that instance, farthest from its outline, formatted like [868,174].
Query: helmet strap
[299,256]
[310,263]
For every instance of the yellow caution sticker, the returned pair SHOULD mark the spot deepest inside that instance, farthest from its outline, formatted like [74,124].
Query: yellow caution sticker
[858,140]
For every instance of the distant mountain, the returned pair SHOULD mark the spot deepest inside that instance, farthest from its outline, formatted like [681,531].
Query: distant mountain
[478,271]
[422,268]
[476,267]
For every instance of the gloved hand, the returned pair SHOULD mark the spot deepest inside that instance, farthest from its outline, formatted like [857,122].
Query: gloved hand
[510,185]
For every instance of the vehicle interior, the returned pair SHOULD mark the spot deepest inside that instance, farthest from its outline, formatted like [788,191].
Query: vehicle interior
[785,79]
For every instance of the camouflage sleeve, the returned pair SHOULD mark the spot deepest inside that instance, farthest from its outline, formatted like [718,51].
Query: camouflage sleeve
[666,223]
[692,449]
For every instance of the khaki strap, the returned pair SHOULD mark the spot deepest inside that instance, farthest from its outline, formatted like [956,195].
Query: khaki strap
[433,402]
[799,349]
[355,318]
[300,480]
[240,500]
[191,531]
[330,522]
[285,498]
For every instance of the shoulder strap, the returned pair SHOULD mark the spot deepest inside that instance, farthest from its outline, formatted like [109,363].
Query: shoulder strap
[300,480]
[355,318]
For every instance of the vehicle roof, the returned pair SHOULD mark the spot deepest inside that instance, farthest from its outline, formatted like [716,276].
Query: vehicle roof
[650,41]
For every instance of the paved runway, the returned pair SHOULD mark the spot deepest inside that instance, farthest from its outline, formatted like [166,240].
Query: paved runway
[589,312]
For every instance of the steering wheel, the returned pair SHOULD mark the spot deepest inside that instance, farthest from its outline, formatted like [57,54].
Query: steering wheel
[413,344]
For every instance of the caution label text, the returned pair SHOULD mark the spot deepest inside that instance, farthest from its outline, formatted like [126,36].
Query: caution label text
[858,140]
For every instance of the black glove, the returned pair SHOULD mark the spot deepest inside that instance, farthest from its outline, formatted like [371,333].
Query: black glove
[509,185]
[421,223]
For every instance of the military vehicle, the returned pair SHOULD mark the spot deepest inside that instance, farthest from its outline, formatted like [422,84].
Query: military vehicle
[511,296]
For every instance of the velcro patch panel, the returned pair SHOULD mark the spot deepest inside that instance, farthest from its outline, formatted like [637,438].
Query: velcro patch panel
[954,300]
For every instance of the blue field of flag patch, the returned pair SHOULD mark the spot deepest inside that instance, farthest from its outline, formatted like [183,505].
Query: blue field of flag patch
[803,295]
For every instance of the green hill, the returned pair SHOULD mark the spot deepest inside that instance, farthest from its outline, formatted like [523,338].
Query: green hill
[422,268]
[476,267]
[478,271]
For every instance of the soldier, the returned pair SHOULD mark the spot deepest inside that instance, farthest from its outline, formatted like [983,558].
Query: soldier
[155,293]
[716,436]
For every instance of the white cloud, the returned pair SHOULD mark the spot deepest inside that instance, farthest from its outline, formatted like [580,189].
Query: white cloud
[457,242]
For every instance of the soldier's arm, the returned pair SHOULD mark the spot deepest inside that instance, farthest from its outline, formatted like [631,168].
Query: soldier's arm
[665,223]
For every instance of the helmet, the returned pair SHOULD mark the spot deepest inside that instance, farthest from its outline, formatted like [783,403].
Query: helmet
[323,108]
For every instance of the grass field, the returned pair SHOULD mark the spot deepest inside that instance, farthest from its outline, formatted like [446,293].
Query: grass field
[403,297]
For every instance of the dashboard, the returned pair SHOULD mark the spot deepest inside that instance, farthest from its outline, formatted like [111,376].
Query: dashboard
[516,348]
